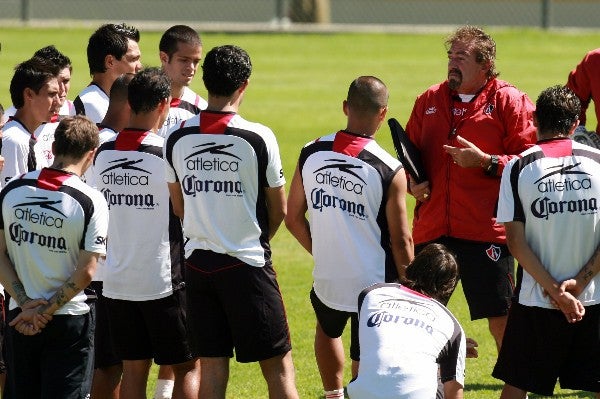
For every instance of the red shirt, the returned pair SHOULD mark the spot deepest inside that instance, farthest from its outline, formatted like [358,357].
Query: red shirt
[584,80]
[462,204]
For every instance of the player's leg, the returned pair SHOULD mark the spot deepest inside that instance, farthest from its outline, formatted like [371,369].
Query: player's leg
[214,376]
[186,379]
[135,378]
[164,382]
[510,392]
[280,376]
[329,353]
[497,325]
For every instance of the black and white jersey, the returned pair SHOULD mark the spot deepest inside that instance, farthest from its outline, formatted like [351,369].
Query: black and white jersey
[346,178]
[92,102]
[554,189]
[145,248]
[44,137]
[19,152]
[224,164]
[181,109]
[404,338]
[48,216]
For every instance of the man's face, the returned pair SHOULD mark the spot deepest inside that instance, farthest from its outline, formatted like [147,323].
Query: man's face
[130,62]
[183,64]
[465,75]
[46,101]
[64,84]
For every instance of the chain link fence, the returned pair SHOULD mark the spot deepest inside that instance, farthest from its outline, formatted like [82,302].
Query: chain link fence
[288,14]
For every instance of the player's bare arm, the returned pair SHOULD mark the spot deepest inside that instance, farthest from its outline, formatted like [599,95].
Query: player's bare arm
[397,218]
[578,283]
[81,278]
[176,199]
[276,208]
[295,220]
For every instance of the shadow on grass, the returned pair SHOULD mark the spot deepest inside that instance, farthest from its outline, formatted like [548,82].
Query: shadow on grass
[473,388]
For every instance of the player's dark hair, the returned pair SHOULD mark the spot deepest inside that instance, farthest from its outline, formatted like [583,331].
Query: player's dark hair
[32,74]
[480,42]
[120,88]
[109,39]
[225,69]
[556,110]
[176,34]
[74,136]
[433,272]
[147,89]
[367,94]
[52,54]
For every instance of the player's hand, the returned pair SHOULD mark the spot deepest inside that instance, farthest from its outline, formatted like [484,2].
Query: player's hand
[420,191]
[467,156]
[30,321]
[1,162]
[573,286]
[571,307]
[472,348]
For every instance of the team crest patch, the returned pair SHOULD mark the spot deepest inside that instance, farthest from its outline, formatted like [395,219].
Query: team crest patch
[488,109]
[493,252]
[430,110]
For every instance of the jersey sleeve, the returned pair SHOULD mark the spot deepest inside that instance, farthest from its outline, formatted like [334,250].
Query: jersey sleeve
[452,357]
[508,200]
[170,174]
[15,155]
[274,173]
[579,81]
[95,236]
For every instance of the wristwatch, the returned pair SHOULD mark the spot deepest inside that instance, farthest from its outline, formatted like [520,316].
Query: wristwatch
[492,168]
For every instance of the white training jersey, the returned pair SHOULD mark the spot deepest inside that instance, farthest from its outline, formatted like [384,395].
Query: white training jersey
[145,246]
[404,338]
[18,150]
[346,178]
[553,188]
[224,164]
[48,216]
[182,109]
[92,102]
[44,136]
[67,109]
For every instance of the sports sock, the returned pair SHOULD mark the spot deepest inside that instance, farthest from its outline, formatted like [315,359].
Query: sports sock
[334,394]
[164,389]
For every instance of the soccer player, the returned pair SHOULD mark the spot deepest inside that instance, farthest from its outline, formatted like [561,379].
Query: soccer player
[52,231]
[180,54]
[112,50]
[407,334]
[467,129]
[355,196]
[35,92]
[584,80]
[224,173]
[143,285]
[548,204]
[64,82]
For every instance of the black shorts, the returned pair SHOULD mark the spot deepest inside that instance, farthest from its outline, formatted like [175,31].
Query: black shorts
[104,350]
[540,346]
[334,321]
[231,304]
[487,275]
[53,363]
[150,329]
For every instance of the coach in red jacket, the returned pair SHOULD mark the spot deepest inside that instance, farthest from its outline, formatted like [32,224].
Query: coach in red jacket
[467,128]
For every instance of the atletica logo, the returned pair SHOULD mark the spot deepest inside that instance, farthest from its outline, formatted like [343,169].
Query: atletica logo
[324,176]
[21,236]
[23,212]
[191,185]
[124,178]
[141,201]
[321,199]
[543,207]
[565,185]
[379,317]
[408,306]
[216,163]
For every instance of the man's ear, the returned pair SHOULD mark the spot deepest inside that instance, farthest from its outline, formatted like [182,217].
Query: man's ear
[535,120]
[109,61]
[164,57]
[345,107]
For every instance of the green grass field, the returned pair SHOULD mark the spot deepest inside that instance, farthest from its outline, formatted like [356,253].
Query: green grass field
[297,88]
